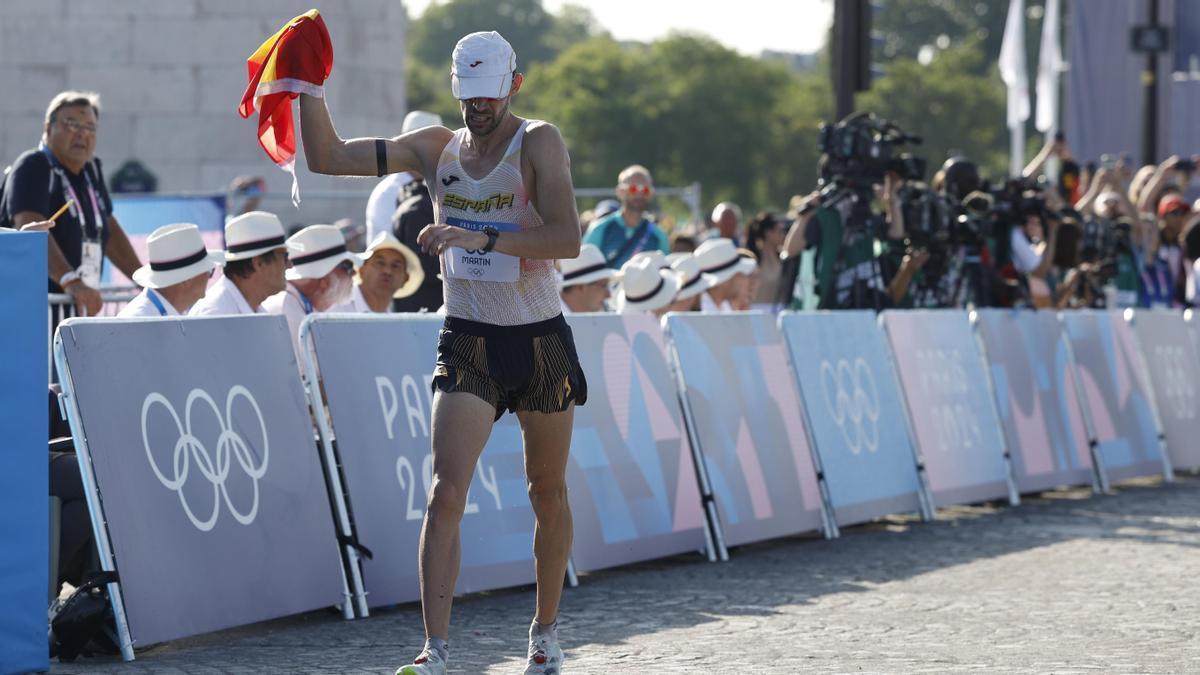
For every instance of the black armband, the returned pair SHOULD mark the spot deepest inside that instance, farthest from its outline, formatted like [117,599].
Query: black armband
[380,157]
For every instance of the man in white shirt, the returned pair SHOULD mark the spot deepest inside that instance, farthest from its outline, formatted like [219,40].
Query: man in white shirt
[391,271]
[730,272]
[177,274]
[382,202]
[585,281]
[646,287]
[255,261]
[320,277]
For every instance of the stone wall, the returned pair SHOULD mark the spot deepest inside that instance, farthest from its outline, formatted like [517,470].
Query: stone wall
[171,73]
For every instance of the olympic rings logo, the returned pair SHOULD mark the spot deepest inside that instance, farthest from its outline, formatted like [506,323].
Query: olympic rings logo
[215,470]
[852,400]
[1180,390]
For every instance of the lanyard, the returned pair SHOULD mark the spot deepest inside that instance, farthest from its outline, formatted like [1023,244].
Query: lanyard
[162,311]
[76,205]
[304,301]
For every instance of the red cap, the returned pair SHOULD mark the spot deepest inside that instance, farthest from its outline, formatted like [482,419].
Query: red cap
[1171,203]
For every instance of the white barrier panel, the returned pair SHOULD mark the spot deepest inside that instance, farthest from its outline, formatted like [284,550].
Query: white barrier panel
[203,476]
[855,413]
[1170,354]
[746,423]
[1035,397]
[950,403]
[377,373]
[1116,394]
[631,476]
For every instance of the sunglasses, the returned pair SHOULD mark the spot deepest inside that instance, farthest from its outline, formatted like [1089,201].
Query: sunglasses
[639,189]
[346,266]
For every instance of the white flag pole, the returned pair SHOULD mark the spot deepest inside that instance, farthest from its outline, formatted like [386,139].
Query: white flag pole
[1013,72]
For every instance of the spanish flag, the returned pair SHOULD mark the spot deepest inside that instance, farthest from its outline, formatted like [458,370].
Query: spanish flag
[296,60]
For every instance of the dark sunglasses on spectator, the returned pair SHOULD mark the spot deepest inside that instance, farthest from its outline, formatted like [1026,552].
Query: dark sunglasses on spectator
[346,266]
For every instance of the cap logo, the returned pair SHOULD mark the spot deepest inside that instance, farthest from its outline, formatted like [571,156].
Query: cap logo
[476,63]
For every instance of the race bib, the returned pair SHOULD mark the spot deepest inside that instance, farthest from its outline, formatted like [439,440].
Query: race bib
[89,264]
[474,265]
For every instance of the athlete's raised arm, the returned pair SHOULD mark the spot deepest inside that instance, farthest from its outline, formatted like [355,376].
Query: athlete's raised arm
[328,153]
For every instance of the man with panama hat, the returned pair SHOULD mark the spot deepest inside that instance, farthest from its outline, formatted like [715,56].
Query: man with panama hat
[255,261]
[646,286]
[692,282]
[719,258]
[585,281]
[177,274]
[389,270]
[320,277]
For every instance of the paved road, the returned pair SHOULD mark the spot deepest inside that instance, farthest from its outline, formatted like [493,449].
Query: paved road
[1066,583]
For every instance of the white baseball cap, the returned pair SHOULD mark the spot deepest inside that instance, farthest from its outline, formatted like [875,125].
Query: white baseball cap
[176,253]
[419,119]
[482,66]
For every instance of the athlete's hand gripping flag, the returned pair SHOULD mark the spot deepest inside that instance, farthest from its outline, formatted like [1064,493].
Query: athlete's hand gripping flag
[296,60]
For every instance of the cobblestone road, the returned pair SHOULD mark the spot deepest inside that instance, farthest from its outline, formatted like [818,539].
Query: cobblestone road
[1066,583]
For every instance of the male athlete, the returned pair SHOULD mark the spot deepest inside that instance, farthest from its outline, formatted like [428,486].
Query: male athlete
[505,211]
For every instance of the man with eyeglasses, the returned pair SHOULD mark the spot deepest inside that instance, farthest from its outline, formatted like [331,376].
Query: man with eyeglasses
[627,231]
[64,168]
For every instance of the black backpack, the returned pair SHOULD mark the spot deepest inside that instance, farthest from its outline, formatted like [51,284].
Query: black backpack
[83,623]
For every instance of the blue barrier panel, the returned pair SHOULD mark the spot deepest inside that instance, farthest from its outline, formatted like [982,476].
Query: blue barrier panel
[747,420]
[24,519]
[631,477]
[1170,353]
[377,373]
[1036,398]
[855,412]
[204,481]
[945,386]
[1115,393]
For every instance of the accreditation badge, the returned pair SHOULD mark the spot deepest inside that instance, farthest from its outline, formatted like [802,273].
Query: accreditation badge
[475,265]
[89,264]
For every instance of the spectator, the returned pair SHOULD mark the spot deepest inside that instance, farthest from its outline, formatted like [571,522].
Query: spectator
[244,195]
[727,222]
[719,258]
[1165,274]
[319,278]
[355,234]
[585,281]
[682,243]
[624,233]
[64,168]
[381,205]
[255,260]
[646,287]
[178,273]
[390,270]
[691,282]
[413,214]
[765,238]
[1105,199]
[748,291]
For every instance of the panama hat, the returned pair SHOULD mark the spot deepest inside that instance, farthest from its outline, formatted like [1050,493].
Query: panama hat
[316,250]
[645,287]
[176,254]
[253,234]
[585,268]
[655,255]
[719,258]
[691,281]
[412,264]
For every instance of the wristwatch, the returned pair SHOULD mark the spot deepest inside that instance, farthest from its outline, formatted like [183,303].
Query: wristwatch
[492,233]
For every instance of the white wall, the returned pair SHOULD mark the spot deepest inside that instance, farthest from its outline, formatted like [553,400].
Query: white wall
[170,74]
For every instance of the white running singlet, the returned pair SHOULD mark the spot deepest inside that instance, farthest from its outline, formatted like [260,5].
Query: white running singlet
[494,287]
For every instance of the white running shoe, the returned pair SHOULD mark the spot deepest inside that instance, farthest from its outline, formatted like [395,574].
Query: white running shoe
[428,663]
[545,656]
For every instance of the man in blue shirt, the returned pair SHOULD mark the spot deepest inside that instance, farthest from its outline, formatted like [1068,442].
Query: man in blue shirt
[628,232]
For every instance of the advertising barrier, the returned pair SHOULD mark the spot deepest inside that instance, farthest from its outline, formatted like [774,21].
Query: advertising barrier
[631,476]
[377,372]
[24,510]
[855,414]
[199,461]
[1035,398]
[950,404]
[1113,385]
[1171,357]
[745,422]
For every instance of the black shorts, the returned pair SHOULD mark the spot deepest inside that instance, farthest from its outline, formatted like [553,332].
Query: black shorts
[532,366]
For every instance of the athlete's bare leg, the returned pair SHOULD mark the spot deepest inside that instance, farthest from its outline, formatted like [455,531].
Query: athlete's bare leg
[462,423]
[547,442]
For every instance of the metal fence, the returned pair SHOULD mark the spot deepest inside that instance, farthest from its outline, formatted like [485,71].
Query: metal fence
[61,306]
